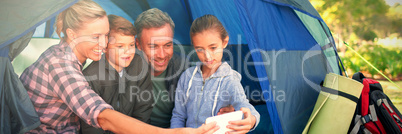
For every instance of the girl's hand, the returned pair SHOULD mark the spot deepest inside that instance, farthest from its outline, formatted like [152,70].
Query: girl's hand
[242,126]
[226,109]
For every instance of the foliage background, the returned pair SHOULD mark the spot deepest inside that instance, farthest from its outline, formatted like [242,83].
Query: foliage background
[373,28]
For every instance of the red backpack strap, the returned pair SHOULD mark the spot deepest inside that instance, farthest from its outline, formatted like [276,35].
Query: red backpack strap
[365,97]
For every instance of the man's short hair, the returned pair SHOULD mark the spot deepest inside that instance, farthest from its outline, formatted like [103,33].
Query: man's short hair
[152,18]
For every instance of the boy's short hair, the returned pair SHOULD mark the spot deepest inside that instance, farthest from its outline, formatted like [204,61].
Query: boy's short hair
[121,25]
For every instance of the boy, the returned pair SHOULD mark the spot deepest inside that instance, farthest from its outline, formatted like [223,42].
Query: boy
[121,77]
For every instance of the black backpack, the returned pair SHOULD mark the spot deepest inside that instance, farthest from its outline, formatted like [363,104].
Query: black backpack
[375,112]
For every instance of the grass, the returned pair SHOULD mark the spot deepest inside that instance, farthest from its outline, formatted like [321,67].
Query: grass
[393,92]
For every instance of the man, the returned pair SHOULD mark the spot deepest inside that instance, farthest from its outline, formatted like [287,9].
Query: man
[155,38]
[155,30]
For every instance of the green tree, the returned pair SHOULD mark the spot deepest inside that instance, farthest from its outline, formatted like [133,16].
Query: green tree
[395,16]
[355,20]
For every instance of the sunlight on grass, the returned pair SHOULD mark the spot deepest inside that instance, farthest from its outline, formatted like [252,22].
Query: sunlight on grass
[391,41]
[393,92]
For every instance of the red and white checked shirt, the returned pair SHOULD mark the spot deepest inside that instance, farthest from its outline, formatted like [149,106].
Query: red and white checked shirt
[60,93]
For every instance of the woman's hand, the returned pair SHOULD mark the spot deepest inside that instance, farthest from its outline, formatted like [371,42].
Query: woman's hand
[242,126]
[209,128]
[120,123]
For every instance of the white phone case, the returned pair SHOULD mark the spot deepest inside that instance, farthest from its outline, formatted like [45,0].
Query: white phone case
[223,120]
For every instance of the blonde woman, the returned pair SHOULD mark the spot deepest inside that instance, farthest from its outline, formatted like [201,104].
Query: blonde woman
[58,89]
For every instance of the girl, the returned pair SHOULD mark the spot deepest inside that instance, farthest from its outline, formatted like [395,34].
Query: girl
[58,89]
[212,83]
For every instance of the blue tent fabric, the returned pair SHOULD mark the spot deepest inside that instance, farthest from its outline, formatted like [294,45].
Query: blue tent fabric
[179,16]
[16,110]
[303,6]
[295,80]
[225,11]
[236,56]
[252,40]
[282,43]
[186,6]
[279,29]
[4,51]
[130,9]
[263,127]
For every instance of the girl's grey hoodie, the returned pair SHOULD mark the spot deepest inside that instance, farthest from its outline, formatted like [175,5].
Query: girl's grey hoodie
[195,104]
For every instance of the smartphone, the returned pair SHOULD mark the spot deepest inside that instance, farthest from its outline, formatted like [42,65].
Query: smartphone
[223,120]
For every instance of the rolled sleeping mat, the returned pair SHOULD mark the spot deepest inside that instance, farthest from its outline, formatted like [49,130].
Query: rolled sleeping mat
[335,106]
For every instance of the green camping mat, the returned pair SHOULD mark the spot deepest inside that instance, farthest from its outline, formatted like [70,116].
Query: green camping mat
[335,106]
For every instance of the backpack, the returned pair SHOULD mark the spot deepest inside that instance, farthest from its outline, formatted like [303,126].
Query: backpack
[375,112]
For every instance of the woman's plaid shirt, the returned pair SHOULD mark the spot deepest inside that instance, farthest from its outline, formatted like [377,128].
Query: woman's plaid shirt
[60,93]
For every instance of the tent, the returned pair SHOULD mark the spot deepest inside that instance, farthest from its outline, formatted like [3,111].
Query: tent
[282,48]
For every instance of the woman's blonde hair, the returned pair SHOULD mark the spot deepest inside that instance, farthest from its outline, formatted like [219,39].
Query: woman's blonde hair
[74,16]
